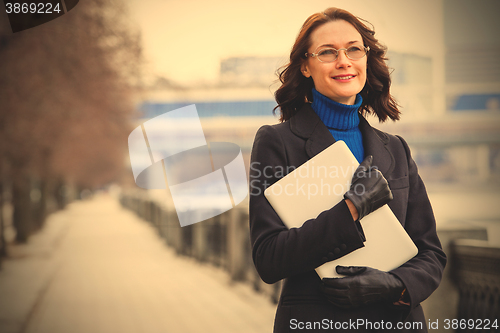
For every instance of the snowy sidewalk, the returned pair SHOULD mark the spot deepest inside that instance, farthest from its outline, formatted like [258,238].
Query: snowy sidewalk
[98,268]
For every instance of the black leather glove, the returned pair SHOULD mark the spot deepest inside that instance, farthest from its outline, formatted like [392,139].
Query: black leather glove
[361,286]
[369,190]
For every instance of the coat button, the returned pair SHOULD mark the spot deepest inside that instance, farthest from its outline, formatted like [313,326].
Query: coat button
[331,256]
[336,251]
[343,246]
[325,259]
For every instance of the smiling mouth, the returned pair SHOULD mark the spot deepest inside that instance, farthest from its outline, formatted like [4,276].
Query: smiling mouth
[346,77]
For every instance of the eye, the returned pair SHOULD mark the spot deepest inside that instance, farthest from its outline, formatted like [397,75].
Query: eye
[355,48]
[326,52]
[356,52]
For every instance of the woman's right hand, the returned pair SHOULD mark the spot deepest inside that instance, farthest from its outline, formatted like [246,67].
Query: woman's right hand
[369,189]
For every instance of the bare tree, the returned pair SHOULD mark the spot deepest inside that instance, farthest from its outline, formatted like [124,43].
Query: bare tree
[65,88]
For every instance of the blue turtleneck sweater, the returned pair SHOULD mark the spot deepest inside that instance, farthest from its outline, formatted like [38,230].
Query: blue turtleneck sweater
[342,121]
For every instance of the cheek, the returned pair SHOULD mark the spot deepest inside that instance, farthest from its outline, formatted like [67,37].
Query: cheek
[322,72]
[316,74]
[364,67]
[364,71]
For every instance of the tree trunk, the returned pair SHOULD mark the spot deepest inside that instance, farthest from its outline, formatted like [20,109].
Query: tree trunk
[3,243]
[39,203]
[60,192]
[21,202]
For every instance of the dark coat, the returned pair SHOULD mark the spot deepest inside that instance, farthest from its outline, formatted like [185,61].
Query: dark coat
[293,254]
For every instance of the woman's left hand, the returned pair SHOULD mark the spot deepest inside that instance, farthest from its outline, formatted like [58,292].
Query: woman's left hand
[361,286]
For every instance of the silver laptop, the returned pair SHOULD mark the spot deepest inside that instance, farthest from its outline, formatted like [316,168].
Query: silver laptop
[320,184]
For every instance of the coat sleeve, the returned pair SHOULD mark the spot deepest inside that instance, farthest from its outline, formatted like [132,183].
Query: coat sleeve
[279,252]
[421,274]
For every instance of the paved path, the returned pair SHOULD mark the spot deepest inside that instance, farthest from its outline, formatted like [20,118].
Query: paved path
[98,268]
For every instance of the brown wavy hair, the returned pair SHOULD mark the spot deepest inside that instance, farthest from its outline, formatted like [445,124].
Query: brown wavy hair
[296,89]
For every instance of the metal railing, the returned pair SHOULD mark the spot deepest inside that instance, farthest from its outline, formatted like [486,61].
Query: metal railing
[473,274]
[476,265]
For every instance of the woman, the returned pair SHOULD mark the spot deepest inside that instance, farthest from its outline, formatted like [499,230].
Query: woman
[336,74]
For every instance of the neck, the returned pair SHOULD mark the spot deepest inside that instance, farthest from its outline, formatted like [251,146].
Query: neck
[336,115]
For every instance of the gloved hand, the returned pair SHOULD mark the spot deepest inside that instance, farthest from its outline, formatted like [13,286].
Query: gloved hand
[369,190]
[361,286]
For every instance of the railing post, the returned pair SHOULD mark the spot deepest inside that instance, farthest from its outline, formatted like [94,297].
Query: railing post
[476,265]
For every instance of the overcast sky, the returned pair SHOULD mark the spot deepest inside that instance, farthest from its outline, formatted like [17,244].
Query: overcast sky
[185,40]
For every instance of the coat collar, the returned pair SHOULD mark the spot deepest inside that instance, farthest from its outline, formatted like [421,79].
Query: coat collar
[307,125]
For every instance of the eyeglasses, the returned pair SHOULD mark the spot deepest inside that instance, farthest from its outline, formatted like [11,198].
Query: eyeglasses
[329,54]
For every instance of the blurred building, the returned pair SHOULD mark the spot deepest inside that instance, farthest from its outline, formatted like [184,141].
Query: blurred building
[234,121]
[472,67]
[411,78]
[458,143]
[247,71]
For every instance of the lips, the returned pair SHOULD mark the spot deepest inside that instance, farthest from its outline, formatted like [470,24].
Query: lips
[344,77]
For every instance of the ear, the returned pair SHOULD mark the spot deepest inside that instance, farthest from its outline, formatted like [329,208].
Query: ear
[305,69]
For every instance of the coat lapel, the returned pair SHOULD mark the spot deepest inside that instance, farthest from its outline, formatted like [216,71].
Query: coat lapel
[307,125]
[375,144]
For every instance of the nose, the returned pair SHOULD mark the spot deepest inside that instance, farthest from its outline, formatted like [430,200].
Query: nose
[342,60]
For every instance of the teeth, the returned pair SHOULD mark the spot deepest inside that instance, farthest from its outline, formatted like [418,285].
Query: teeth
[344,77]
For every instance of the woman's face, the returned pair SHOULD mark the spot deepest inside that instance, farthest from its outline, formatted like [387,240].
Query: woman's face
[343,78]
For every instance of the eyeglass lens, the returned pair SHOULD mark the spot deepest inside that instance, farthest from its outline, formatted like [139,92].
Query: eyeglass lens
[331,54]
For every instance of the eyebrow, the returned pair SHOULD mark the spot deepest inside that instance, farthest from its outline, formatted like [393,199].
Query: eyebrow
[349,43]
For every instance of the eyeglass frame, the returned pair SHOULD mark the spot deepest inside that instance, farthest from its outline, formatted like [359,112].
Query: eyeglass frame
[315,55]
